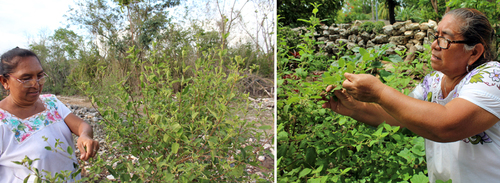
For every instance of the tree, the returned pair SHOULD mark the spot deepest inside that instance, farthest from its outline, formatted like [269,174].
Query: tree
[292,10]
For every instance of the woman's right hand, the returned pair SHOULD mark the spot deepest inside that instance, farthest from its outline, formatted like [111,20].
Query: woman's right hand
[345,105]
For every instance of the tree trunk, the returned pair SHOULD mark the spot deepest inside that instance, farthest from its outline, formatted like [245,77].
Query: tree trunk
[373,13]
[392,17]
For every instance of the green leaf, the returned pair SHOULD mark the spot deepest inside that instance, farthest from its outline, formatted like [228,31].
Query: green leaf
[315,10]
[48,148]
[175,147]
[350,67]
[265,127]
[165,137]
[420,178]
[282,136]
[318,170]
[345,170]
[27,178]
[311,156]
[304,172]
[69,150]
[341,62]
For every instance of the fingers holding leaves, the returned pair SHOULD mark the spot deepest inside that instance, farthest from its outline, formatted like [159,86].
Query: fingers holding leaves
[88,148]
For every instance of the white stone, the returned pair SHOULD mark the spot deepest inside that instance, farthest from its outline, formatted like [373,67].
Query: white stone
[432,24]
[110,177]
[419,35]
[388,30]
[409,33]
[412,26]
[261,158]
[357,23]
[267,146]
[424,26]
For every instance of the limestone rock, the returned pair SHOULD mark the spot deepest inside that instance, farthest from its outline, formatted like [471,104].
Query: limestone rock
[412,26]
[353,30]
[353,38]
[397,40]
[326,32]
[361,43]
[344,26]
[432,24]
[388,29]
[408,33]
[333,30]
[322,39]
[357,23]
[350,45]
[369,44]
[365,36]
[380,39]
[419,36]
[343,33]
[426,41]
[424,26]
[398,25]
[344,41]
[334,37]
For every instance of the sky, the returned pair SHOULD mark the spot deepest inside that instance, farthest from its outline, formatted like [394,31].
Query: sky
[24,20]
[21,20]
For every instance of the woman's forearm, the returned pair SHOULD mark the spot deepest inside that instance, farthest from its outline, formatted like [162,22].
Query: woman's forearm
[86,129]
[373,114]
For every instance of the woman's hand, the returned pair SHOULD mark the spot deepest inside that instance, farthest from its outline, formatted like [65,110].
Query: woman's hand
[88,147]
[345,105]
[363,87]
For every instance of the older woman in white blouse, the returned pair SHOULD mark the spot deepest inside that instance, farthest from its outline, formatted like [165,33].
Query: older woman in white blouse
[456,107]
[26,117]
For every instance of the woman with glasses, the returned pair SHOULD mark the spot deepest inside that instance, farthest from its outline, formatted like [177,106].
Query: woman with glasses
[27,118]
[456,107]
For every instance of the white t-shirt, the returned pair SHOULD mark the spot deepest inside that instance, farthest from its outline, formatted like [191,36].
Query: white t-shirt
[23,137]
[477,158]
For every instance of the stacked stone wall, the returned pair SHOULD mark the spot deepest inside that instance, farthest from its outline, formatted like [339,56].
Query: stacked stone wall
[405,35]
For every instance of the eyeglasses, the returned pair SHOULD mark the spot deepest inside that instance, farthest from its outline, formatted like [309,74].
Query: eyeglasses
[30,82]
[443,42]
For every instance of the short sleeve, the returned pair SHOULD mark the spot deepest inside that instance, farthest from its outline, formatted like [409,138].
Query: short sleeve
[428,87]
[62,109]
[418,92]
[482,87]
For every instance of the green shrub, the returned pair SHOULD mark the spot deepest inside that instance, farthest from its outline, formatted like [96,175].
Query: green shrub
[196,135]
[367,26]
[379,27]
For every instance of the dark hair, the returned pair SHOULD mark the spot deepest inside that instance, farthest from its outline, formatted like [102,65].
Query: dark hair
[8,61]
[476,29]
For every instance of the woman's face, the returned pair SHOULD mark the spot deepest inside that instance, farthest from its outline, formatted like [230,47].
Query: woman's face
[27,68]
[451,61]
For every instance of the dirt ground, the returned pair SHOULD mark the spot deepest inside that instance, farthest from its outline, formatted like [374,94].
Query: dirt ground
[75,100]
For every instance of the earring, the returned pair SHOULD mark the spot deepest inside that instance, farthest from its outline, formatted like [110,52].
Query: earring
[467,68]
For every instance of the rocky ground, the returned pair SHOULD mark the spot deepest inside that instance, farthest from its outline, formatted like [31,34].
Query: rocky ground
[264,107]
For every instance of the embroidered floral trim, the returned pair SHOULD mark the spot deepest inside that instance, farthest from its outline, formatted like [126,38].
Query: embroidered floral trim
[479,138]
[24,128]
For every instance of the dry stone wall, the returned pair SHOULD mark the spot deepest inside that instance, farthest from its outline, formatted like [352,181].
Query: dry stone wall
[405,35]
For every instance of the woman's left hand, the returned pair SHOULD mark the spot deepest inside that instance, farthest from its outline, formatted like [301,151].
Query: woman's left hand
[363,87]
[88,147]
